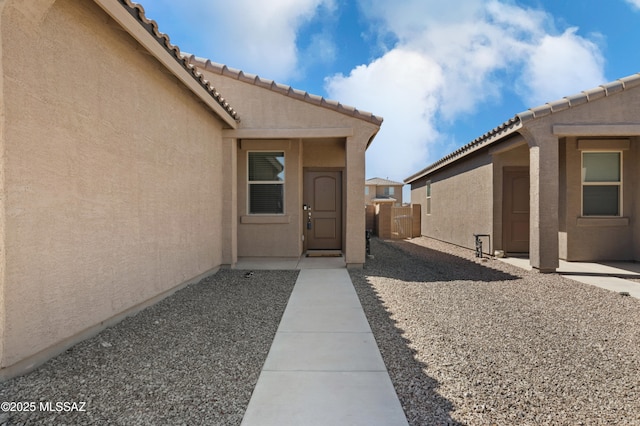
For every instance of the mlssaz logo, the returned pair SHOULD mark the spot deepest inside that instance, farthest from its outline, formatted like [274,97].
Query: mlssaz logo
[63,406]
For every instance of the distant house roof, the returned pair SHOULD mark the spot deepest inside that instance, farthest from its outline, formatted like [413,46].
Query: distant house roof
[382,182]
[137,11]
[282,89]
[514,124]
[384,200]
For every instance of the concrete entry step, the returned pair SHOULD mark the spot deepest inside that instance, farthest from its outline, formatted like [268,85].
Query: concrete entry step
[324,253]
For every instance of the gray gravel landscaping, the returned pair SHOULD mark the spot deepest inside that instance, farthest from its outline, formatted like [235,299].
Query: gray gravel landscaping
[194,358]
[482,342]
[466,342]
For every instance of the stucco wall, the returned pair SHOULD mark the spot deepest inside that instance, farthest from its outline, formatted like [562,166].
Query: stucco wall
[397,193]
[281,235]
[112,176]
[461,201]
[271,235]
[587,239]
[323,153]
[516,156]
[263,110]
[591,239]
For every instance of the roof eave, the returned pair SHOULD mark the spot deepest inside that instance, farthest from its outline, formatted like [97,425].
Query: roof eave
[121,12]
[282,89]
[503,131]
[522,118]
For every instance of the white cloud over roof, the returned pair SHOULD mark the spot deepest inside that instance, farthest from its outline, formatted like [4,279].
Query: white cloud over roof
[448,60]
[440,61]
[254,35]
[560,65]
[403,85]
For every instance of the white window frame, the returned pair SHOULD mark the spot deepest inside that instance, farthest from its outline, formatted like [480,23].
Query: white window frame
[619,183]
[264,182]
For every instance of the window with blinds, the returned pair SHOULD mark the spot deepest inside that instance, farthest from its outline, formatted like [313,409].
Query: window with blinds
[601,183]
[266,182]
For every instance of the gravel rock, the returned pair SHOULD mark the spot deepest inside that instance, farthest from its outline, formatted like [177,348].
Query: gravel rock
[193,358]
[483,342]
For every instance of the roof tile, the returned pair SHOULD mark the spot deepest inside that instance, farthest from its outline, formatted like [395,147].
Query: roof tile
[516,122]
[577,99]
[541,110]
[382,182]
[279,88]
[631,81]
[613,87]
[137,11]
[595,93]
[559,105]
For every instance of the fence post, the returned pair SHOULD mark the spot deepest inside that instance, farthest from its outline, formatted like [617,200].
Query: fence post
[384,220]
[370,212]
[416,211]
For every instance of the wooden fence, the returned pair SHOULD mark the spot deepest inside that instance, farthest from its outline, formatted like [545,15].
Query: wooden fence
[388,221]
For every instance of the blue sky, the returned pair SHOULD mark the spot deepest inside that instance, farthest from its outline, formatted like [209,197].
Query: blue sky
[441,73]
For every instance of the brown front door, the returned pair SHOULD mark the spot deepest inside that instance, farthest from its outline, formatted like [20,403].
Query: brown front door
[516,210]
[323,219]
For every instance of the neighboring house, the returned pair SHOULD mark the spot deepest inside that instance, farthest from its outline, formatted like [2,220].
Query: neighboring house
[126,173]
[379,191]
[560,181]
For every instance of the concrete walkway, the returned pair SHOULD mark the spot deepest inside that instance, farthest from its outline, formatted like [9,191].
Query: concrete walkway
[324,367]
[613,276]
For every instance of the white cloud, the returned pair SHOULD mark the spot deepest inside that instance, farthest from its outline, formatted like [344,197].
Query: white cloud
[634,3]
[465,50]
[559,66]
[247,34]
[266,38]
[402,85]
[447,60]
[321,49]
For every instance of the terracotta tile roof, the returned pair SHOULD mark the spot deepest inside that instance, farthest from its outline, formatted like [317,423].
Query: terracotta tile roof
[224,70]
[137,11]
[382,182]
[583,97]
[515,123]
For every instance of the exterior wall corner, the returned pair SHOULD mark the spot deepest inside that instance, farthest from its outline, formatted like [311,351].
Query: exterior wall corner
[355,241]
[544,192]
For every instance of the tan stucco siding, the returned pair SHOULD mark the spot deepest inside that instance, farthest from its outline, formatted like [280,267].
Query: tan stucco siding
[515,157]
[112,177]
[324,153]
[461,201]
[264,110]
[583,239]
[382,192]
[609,118]
[355,239]
[281,235]
[271,235]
